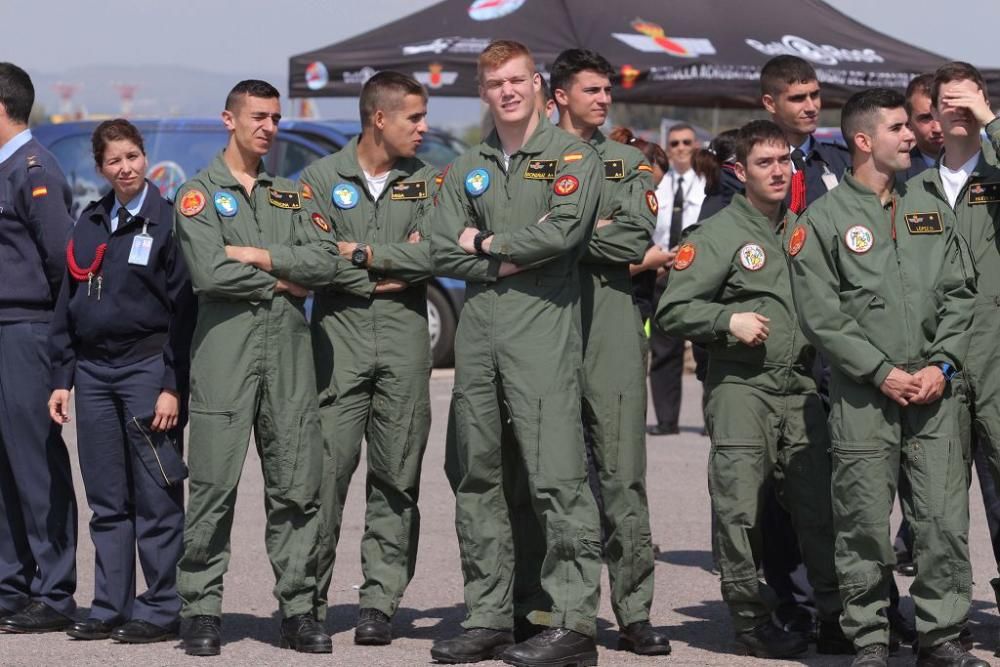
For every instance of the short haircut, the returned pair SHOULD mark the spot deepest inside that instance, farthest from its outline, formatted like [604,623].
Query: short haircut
[571,62]
[17,95]
[782,71]
[757,132]
[677,127]
[250,88]
[114,130]
[919,84]
[724,145]
[651,150]
[861,112]
[499,52]
[956,71]
[385,91]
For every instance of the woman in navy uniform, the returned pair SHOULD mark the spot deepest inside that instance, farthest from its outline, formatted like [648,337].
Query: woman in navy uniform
[121,336]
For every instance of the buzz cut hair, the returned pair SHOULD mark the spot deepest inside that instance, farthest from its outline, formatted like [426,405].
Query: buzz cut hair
[17,94]
[385,92]
[919,85]
[956,71]
[250,88]
[499,52]
[861,112]
[783,71]
[571,62]
[757,132]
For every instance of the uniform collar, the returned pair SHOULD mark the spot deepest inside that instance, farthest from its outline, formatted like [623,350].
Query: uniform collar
[861,190]
[347,164]
[748,211]
[536,143]
[107,206]
[133,206]
[220,174]
[9,148]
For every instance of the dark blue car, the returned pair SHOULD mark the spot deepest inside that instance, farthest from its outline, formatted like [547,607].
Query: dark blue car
[178,148]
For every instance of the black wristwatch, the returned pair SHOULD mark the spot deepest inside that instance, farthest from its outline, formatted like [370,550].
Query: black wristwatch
[947,370]
[359,257]
[477,242]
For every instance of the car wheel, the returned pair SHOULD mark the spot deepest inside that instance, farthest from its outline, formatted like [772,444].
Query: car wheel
[441,324]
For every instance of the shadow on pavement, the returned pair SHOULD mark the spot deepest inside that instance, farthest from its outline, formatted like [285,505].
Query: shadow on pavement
[407,623]
[690,558]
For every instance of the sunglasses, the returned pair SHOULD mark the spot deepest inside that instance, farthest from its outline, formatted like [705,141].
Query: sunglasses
[674,143]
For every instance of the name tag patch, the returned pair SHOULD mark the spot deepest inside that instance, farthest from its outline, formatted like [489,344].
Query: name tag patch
[283,199]
[984,193]
[924,223]
[409,190]
[614,170]
[541,170]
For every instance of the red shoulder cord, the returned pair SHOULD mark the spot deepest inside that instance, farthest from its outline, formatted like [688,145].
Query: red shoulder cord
[798,203]
[81,274]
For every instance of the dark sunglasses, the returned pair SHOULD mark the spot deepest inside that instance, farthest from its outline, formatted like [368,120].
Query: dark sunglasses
[674,143]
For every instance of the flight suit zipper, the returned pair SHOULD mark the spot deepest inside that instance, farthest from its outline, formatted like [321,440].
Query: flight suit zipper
[902,280]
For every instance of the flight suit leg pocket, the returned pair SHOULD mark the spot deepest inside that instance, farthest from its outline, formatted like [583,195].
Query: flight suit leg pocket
[928,465]
[297,458]
[552,441]
[217,447]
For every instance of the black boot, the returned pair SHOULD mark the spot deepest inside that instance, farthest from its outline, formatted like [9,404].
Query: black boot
[770,641]
[303,633]
[473,645]
[555,646]
[525,629]
[91,628]
[642,639]
[995,583]
[204,636]
[830,639]
[948,654]
[35,618]
[374,628]
[873,655]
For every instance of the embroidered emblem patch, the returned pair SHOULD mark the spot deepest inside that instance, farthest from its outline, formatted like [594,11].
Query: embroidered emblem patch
[284,199]
[226,204]
[320,222]
[541,170]
[859,239]
[566,185]
[924,223]
[752,257]
[797,240]
[192,202]
[685,256]
[477,182]
[344,195]
[409,190]
[614,170]
[654,206]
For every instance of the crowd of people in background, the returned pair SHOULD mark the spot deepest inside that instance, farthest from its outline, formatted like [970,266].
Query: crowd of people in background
[840,301]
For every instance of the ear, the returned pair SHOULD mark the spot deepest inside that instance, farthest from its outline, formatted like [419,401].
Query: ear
[862,142]
[536,82]
[482,95]
[741,172]
[378,119]
[768,101]
[560,96]
[228,120]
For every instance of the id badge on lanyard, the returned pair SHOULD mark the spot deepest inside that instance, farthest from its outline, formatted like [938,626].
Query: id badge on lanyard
[142,245]
[829,179]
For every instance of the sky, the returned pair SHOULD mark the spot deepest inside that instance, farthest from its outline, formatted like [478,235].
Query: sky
[254,38]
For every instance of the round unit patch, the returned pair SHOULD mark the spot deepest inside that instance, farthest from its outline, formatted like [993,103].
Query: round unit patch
[225,204]
[753,257]
[859,239]
[566,185]
[797,240]
[477,182]
[344,195]
[685,256]
[192,202]
[654,206]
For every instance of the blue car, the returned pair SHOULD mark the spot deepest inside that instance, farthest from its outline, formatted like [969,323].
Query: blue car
[178,148]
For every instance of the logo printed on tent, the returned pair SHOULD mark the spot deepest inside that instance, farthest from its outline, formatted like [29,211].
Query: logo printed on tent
[653,39]
[360,77]
[472,45]
[824,54]
[316,76]
[487,10]
[435,77]
[629,75]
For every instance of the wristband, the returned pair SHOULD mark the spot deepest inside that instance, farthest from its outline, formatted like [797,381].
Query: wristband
[477,241]
[947,370]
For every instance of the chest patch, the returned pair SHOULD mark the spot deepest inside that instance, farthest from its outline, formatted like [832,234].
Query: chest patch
[284,199]
[984,193]
[924,223]
[344,196]
[409,190]
[541,170]
[797,240]
[752,257]
[614,170]
[859,239]
[225,204]
[477,182]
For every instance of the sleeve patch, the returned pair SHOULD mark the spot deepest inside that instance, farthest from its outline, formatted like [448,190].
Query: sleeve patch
[797,240]
[192,202]
[654,206]
[566,185]
[685,257]
[320,222]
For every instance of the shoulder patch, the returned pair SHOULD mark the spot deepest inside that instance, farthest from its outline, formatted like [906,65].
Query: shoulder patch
[409,190]
[192,202]
[284,198]
[541,170]
[614,170]
[572,157]
[924,223]
[40,191]
[645,167]
[307,191]
[320,222]
[654,206]
[685,256]
[984,193]
[797,240]
[566,185]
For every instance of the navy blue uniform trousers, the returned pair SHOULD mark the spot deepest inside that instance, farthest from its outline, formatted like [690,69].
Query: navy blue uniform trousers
[37,506]
[130,508]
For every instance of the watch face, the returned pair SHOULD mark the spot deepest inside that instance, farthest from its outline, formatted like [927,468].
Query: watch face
[359,256]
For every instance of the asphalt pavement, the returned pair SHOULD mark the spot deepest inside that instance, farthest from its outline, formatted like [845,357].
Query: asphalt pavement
[687,601]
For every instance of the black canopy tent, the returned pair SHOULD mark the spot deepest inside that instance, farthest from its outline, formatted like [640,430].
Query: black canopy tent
[704,53]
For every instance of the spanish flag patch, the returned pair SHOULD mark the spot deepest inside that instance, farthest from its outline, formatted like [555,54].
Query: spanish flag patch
[572,157]
[644,167]
[40,191]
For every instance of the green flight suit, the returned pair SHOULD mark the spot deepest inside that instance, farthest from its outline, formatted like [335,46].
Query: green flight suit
[373,367]
[251,367]
[877,289]
[763,411]
[518,343]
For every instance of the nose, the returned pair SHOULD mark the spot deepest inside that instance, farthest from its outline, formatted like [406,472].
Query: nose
[422,126]
[604,97]
[907,134]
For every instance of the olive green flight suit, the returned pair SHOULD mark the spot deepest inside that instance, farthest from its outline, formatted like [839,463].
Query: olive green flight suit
[373,368]
[518,343]
[763,411]
[877,289]
[251,367]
